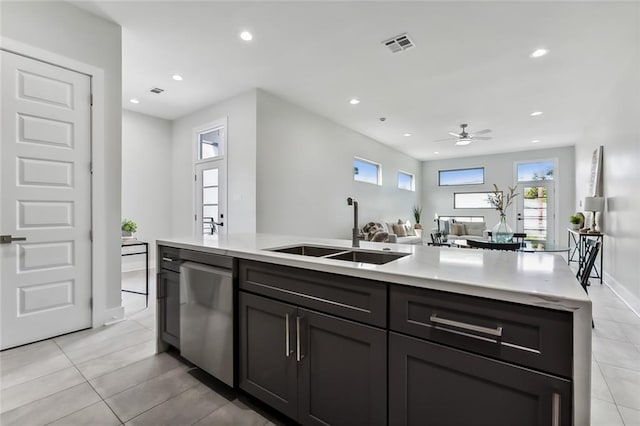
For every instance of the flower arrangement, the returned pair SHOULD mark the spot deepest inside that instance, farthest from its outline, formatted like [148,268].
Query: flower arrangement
[501,202]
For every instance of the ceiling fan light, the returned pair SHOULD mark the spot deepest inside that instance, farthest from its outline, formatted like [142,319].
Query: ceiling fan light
[463,141]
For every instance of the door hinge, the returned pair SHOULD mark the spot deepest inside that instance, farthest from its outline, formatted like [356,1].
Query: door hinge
[91,99]
[195,217]
[91,302]
[91,236]
[91,167]
[195,178]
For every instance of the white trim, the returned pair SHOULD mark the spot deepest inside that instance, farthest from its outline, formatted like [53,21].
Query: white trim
[629,299]
[99,313]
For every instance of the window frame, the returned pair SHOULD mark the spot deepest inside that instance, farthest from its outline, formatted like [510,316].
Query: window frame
[413,180]
[553,161]
[373,163]
[205,128]
[460,170]
[490,207]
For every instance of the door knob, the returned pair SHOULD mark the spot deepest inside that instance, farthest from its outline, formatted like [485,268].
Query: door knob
[8,239]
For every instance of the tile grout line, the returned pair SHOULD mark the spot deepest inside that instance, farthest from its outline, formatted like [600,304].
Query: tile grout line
[89,383]
[610,391]
[116,350]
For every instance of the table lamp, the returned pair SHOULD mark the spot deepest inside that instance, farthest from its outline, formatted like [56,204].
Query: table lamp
[593,205]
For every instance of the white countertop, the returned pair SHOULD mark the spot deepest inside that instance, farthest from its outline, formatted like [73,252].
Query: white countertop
[537,279]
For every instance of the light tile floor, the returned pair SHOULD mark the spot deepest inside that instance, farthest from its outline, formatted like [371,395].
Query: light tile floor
[111,376]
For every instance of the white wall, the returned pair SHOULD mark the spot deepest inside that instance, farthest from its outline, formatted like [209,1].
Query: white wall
[616,128]
[498,169]
[57,30]
[241,163]
[146,180]
[305,174]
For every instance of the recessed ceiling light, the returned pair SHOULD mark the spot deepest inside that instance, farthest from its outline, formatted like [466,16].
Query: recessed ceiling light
[536,113]
[539,53]
[354,101]
[407,134]
[134,101]
[246,36]
[535,141]
[177,77]
[436,152]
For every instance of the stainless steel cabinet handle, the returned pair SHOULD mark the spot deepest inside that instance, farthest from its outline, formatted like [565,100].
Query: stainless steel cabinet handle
[167,259]
[492,331]
[298,356]
[555,409]
[286,334]
[8,239]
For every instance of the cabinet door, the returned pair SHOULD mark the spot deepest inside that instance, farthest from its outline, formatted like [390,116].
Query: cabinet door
[169,306]
[431,384]
[268,368]
[342,372]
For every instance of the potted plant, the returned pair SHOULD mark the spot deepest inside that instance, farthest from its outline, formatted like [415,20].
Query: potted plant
[128,228]
[575,222]
[417,214]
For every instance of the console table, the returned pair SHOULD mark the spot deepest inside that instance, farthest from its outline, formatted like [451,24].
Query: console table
[145,246]
[576,241]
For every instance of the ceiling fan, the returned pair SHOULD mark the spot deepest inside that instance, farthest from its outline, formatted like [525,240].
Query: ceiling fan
[464,138]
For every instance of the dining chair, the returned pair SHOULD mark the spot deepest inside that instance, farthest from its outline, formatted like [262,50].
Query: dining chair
[493,246]
[437,239]
[592,247]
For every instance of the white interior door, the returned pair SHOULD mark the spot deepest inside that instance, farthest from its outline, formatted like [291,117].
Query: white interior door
[536,210]
[45,155]
[211,196]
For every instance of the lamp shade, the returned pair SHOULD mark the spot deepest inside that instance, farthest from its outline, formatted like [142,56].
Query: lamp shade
[593,204]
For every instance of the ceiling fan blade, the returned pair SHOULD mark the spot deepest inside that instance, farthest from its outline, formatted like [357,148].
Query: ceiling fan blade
[454,134]
[446,140]
[481,132]
[481,138]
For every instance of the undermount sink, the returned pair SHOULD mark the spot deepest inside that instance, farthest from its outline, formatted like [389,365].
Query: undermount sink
[314,251]
[361,256]
[368,257]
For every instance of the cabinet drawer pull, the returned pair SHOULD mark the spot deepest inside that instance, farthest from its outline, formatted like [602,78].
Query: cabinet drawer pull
[287,348]
[167,259]
[555,409]
[298,356]
[492,331]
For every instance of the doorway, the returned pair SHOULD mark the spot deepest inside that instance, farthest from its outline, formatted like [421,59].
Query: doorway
[45,218]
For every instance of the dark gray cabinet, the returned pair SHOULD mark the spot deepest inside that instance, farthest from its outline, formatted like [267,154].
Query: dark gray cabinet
[315,368]
[169,306]
[432,384]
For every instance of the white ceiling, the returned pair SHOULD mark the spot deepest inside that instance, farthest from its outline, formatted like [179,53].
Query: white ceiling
[471,64]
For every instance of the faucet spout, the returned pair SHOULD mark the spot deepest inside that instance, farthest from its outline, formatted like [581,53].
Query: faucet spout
[355,232]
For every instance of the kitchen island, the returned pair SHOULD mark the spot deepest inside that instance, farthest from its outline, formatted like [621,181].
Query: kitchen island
[322,338]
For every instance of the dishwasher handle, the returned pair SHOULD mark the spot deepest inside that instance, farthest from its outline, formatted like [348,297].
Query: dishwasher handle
[207,268]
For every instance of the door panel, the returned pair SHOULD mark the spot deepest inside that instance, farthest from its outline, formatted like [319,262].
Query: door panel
[446,386]
[536,210]
[342,372]
[268,367]
[45,155]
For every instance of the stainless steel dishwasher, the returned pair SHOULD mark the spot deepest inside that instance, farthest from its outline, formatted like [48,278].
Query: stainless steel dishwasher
[206,319]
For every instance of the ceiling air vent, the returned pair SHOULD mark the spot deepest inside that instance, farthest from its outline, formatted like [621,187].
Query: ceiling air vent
[156,90]
[399,43]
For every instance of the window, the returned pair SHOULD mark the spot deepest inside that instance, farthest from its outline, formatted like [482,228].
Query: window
[210,199]
[406,181]
[366,171]
[541,170]
[461,177]
[462,218]
[210,143]
[472,200]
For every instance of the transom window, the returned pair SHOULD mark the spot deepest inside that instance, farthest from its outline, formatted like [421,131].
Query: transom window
[472,200]
[473,176]
[210,143]
[367,171]
[541,170]
[406,181]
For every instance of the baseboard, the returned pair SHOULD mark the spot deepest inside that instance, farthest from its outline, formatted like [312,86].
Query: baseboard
[630,299]
[114,315]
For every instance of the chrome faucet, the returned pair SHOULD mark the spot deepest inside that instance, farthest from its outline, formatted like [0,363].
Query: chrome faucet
[355,236]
